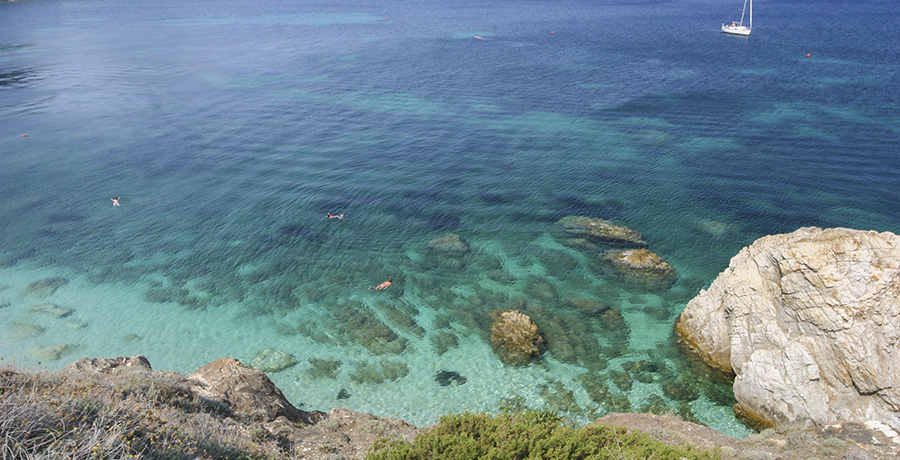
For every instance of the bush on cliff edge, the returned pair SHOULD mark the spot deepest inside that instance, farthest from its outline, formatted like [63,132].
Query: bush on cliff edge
[529,435]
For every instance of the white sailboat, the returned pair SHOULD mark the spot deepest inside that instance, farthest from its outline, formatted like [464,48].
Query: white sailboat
[738,28]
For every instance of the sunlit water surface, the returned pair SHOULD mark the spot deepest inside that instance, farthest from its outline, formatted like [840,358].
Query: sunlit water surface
[229,129]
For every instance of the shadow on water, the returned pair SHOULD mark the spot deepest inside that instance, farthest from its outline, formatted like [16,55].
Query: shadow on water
[18,79]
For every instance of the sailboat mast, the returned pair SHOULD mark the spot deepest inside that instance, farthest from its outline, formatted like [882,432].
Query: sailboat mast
[751,14]
[744,10]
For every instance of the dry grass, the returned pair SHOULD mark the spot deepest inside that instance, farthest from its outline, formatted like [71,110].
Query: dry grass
[141,415]
[154,415]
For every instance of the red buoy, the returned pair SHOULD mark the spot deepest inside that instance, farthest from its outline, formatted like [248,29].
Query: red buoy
[807,55]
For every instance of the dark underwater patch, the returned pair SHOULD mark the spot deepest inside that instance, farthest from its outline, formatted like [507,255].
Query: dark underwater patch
[303,232]
[447,378]
[573,205]
[65,218]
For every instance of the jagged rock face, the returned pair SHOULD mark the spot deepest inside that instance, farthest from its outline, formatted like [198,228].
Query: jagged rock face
[244,389]
[809,323]
[515,338]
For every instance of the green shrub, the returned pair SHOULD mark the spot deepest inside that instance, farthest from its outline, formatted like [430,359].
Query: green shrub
[528,435]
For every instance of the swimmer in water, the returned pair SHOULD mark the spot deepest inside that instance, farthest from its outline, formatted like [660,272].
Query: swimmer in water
[383,285]
[334,216]
[115,201]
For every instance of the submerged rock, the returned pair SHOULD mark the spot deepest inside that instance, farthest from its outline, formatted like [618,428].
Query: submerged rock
[641,267]
[376,373]
[809,323]
[74,324]
[599,230]
[43,353]
[451,245]
[515,338]
[21,331]
[272,360]
[320,368]
[589,307]
[444,341]
[45,287]
[51,309]
[715,228]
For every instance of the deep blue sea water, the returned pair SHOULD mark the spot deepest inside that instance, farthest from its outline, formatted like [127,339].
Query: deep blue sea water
[229,129]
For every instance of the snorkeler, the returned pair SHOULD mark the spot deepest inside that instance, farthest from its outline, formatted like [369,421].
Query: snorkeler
[383,285]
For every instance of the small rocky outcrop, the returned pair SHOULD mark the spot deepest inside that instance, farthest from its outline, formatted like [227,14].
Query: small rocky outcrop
[600,231]
[450,245]
[515,338]
[108,366]
[641,267]
[246,390]
[809,324]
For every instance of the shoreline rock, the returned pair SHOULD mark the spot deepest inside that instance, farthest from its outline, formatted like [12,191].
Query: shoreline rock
[343,433]
[247,390]
[809,324]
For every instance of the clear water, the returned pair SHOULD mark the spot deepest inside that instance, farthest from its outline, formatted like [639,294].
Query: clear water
[230,129]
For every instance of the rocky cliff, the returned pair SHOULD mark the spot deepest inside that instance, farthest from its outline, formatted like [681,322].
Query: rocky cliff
[808,322]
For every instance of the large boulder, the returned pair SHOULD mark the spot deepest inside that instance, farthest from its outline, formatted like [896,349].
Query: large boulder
[600,231]
[515,338]
[809,324]
[246,390]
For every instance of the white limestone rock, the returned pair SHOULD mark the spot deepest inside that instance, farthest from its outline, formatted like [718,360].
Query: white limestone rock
[809,324]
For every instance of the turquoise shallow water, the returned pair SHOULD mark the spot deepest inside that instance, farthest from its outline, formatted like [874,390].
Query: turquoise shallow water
[229,131]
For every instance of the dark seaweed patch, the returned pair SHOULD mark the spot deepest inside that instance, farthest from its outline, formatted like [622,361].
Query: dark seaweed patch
[447,378]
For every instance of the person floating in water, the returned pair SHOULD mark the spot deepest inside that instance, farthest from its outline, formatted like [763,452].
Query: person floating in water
[334,216]
[115,201]
[383,285]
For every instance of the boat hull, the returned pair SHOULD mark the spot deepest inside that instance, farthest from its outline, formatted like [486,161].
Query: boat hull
[735,30]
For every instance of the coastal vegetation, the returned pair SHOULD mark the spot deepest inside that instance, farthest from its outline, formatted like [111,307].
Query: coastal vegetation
[105,412]
[85,415]
[532,434]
